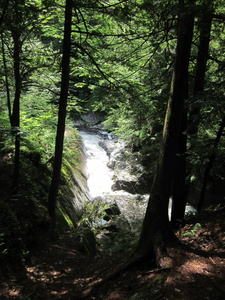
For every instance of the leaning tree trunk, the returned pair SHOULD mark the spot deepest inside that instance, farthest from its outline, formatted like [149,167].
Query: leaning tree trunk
[61,113]
[156,229]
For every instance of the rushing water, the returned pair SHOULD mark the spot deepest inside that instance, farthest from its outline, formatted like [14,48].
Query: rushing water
[100,178]
[100,181]
[98,174]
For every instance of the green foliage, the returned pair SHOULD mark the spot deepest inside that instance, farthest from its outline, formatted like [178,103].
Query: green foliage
[121,64]
[123,239]
[122,73]
[112,236]
[194,230]
[39,134]
[65,216]
[22,215]
[23,223]
[93,215]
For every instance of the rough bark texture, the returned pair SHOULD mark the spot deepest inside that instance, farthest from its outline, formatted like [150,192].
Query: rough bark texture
[61,113]
[156,230]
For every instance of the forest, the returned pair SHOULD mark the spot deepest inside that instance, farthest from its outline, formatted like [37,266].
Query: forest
[153,70]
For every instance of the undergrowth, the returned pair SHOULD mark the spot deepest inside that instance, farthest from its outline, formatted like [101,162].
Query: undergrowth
[112,232]
[24,223]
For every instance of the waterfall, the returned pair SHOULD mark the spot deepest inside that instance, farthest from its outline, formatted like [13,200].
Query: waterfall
[99,176]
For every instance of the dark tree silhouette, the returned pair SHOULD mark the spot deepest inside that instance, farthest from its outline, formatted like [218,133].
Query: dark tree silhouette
[15,117]
[53,191]
[156,229]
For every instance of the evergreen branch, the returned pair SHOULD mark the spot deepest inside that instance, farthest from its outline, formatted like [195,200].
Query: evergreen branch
[85,24]
[94,62]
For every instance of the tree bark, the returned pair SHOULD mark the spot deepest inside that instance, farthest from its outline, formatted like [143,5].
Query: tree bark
[53,191]
[179,193]
[6,80]
[15,118]
[203,53]
[156,229]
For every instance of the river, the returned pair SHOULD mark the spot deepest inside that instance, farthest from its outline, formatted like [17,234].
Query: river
[100,180]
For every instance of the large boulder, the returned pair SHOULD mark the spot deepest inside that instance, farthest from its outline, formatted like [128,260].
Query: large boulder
[129,173]
[131,207]
[91,121]
[109,145]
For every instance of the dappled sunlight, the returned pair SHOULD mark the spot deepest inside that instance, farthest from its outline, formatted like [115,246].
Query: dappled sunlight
[61,272]
[46,273]
[194,266]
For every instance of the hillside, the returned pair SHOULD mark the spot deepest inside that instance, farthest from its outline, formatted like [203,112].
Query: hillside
[58,269]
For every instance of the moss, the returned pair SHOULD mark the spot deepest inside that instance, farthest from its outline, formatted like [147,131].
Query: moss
[61,214]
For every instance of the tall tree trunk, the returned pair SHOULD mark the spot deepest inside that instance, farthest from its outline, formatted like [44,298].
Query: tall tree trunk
[203,52]
[179,193]
[15,118]
[205,23]
[210,164]
[156,229]
[61,112]
[6,80]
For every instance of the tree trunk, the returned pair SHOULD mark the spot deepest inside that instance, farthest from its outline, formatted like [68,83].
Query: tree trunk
[15,118]
[156,229]
[179,193]
[6,80]
[61,112]
[203,52]
[210,164]
[205,24]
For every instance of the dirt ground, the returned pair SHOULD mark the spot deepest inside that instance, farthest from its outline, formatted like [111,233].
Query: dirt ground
[58,271]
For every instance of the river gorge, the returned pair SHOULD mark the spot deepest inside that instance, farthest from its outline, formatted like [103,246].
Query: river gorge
[114,175]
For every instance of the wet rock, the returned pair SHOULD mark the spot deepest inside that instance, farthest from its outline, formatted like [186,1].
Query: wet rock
[128,186]
[129,173]
[91,120]
[127,177]
[119,224]
[112,210]
[131,207]
[108,146]
[114,234]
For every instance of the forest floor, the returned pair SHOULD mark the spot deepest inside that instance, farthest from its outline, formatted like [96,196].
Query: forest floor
[58,271]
